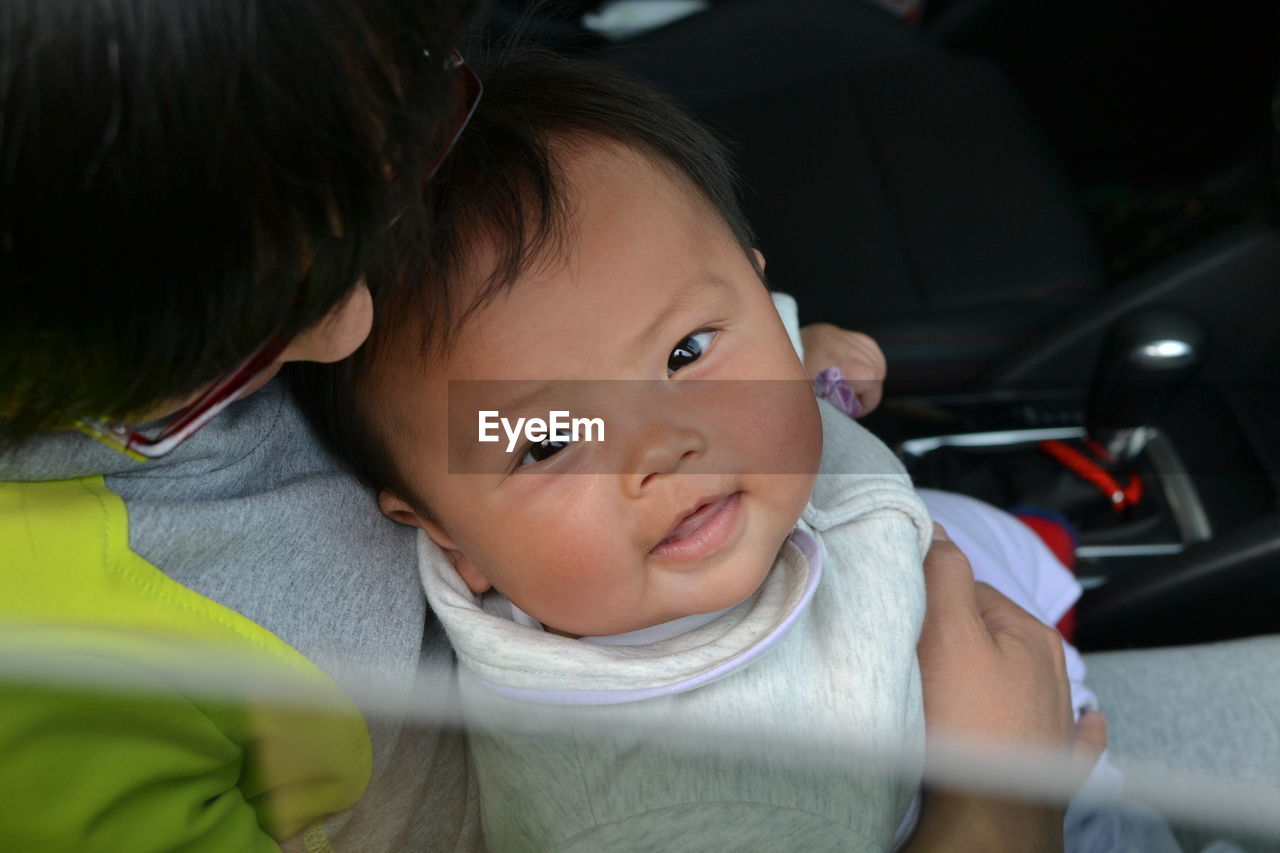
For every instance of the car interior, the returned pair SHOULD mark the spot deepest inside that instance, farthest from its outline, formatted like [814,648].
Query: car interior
[1059,221]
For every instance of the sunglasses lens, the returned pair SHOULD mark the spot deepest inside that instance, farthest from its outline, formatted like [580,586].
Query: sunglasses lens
[467,89]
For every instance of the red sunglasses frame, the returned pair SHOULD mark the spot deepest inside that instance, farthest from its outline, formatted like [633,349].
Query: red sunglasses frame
[190,417]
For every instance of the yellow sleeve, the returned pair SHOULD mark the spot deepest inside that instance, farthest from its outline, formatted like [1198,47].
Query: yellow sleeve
[133,771]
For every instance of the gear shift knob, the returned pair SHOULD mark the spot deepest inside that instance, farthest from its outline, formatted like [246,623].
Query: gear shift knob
[1145,358]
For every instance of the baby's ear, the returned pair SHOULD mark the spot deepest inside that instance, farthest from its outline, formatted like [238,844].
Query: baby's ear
[398,509]
[759,258]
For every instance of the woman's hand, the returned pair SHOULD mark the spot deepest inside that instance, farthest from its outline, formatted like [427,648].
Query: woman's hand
[857,355]
[992,672]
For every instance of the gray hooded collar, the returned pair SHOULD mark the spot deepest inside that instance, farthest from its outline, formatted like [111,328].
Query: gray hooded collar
[224,441]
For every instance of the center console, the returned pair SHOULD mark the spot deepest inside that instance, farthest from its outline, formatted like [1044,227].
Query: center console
[1168,474]
[1009,467]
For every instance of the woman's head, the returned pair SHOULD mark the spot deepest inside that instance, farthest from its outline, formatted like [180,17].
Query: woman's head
[181,182]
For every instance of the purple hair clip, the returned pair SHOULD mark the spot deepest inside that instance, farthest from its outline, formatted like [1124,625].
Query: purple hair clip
[829,385]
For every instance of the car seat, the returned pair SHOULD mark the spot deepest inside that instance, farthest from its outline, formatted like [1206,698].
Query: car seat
[894,188]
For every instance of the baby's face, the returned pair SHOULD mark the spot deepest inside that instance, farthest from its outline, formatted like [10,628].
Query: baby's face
[683,506]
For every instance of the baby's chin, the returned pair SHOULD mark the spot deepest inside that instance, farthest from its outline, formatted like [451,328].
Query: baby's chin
[616,628]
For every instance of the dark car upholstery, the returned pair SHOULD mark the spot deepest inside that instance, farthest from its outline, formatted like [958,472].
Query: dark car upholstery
[895,188]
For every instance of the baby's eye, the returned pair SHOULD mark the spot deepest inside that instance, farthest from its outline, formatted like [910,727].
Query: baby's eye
[542,450]
[689,350]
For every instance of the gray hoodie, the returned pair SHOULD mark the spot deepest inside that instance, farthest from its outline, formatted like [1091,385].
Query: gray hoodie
[253,514]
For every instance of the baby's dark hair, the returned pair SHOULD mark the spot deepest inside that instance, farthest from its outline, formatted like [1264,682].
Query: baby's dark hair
[501,189]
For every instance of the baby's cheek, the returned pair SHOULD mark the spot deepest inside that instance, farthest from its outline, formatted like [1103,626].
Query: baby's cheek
[804,423]
[590,590]
[790,441]
[761,426]
[790,437]
[573,546]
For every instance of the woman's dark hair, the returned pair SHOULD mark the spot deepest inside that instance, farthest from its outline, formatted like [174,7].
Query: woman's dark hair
[501,188]
[181,181]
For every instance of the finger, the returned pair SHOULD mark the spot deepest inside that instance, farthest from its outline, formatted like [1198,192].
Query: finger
[948,581]
[860,354]
[946,564]
[1091,736]
[869,391]
[999,613]
[1090,741]
[872,354]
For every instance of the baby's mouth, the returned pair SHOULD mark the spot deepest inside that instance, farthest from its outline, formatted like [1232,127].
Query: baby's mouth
[700,531]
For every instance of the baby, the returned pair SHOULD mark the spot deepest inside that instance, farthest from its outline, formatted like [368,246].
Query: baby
[722,551]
